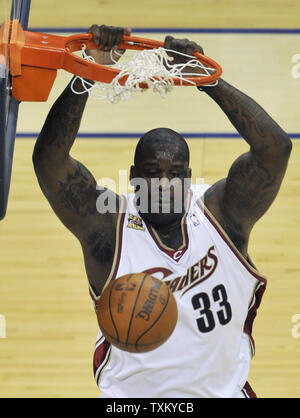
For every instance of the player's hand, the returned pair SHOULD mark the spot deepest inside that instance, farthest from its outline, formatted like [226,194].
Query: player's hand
[107,38]
[183,46]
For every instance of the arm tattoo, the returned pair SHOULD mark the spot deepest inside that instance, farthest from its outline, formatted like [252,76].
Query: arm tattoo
[250,189]
[77,193]
[255,177]
[249,118]
[101,244]
[62,124]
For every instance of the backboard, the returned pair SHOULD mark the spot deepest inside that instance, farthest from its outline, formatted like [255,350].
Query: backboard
[9,106]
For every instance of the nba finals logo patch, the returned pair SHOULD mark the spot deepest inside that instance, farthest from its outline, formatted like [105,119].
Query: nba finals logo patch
[135,222]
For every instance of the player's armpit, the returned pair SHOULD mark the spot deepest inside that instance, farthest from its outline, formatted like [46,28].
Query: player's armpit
[250,188]
[241,199]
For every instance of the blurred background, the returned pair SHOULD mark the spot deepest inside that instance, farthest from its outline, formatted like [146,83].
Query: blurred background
[50,323]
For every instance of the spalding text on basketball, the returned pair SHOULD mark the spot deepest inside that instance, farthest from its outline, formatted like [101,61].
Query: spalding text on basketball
[150,301]
[125,286]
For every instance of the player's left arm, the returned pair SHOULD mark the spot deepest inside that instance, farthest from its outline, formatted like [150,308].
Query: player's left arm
[255,177]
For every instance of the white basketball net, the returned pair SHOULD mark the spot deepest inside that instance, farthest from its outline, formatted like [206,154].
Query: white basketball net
[151,67]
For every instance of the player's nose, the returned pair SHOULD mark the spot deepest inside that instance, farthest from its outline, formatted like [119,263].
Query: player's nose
[164,183]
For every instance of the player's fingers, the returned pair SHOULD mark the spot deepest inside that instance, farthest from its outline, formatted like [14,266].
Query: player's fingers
[168,41]
[176,45]
[184,46]
[169,45]
[112,36]
[95,31]
[127,31]
[120,32]
[104,37]
[192,47]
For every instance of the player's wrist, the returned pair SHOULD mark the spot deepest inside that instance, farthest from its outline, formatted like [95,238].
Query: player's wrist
[77,84]
[209,88]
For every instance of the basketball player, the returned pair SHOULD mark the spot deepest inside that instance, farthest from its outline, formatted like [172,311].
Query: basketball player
[201,252]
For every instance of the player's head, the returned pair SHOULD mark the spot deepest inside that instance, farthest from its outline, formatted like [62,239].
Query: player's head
[161,175]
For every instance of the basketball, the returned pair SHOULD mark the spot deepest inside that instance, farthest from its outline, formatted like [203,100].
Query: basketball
[137,313]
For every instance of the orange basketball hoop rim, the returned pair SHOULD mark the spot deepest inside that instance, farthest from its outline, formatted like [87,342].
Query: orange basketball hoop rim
[36,57]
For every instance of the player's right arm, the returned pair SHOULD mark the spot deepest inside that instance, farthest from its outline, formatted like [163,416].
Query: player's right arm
[67,184]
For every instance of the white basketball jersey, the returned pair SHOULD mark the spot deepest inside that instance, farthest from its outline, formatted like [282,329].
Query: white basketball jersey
[217,293]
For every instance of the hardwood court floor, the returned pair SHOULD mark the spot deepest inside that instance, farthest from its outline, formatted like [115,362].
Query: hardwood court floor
[51,326]
[167,13]
[44,296]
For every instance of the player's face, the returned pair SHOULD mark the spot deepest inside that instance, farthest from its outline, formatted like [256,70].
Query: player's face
[161,185]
